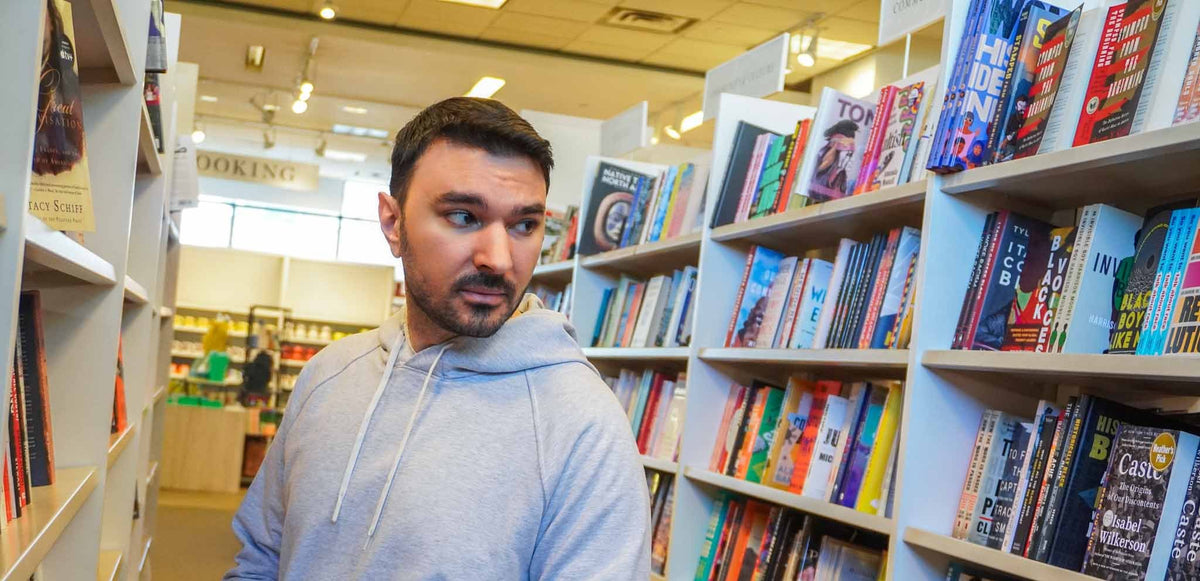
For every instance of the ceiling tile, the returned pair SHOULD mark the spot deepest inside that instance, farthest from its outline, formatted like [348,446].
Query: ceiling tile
[517,37]
[290,5]
[541,25]
[695,55]
[727,33]
[699,9]
[572,9]
[867,10]
[370,11]
[849,30]
[808,5]
[624,52]
[634,39]
[755,16]
[447,17]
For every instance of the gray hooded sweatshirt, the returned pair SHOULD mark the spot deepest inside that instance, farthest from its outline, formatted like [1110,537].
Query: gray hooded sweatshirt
[504,457]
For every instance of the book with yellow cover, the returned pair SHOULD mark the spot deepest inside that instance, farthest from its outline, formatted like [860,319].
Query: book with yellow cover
[872,484]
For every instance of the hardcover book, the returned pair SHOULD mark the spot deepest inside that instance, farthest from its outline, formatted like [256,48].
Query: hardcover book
[1004,273]
[1183,336]
[1062,240]
[898,138]
[609,206]
[1008,486]
[991,479]
[35,385]
[792,421]
[1044,425]
[803,453]
[1048,77]
[1015,96]
[740,156]
[762,264]
[1131,310]
[837,143]
[829,433]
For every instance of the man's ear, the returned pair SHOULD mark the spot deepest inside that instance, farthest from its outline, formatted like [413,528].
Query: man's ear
[390,222]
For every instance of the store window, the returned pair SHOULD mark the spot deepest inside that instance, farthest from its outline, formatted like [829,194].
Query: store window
[208,224]
[362,241]
[361,200]
[288,233]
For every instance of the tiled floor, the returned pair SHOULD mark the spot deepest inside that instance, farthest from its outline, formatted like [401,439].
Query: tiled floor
[194,540]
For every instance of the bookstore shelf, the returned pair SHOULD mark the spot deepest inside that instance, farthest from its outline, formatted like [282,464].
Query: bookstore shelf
[135,292]
[303,341]
[145,555]
[879,363]
[100,41]
[651,258]
[51,250]
[166,312]
[152,473]
[27,540]
[555,273]
[203,330]
[109,568]
[198,354]
[659,464]
[172,230]
[292,363]
[822,225]
[812,506]
[637,353]
[989,558]
[117,444]
[1146,168]
[1182,372]
[149,159]
[657,577]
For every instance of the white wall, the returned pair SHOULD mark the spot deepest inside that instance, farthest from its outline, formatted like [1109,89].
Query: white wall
[573,139]
[865,76]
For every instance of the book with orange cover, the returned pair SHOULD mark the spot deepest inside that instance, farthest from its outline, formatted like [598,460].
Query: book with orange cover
[802,453]
[721,447]
[753,421]
[744,557]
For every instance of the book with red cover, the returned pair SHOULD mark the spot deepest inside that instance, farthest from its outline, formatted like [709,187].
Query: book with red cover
[1047,76]
[887,98]
[744,556]
[629,318]
[799,142]
[752,423]
[651,411]
[802,453]
[733,403]
[882,276]
[119,420]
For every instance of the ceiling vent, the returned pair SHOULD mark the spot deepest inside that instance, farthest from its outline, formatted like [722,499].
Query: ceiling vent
[646,21]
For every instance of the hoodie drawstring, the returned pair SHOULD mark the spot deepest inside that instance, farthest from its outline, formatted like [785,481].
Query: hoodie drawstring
[352,461]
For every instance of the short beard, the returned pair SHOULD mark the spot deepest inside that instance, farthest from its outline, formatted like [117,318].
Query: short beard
[479,321]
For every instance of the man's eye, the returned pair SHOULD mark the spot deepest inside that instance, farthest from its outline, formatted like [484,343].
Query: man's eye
[460,218]
[526,226]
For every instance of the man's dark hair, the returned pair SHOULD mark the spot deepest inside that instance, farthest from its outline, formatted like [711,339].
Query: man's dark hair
[484,123]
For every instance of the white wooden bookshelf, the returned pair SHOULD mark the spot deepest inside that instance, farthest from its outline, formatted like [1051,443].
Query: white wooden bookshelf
[659,464]
[650,354]
[116,283]
[556,274]
[1175,374]
[878,363]
[149,160]
[985,557]
[649,258]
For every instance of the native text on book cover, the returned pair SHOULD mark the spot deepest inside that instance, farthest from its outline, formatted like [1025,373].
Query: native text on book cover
[609,207]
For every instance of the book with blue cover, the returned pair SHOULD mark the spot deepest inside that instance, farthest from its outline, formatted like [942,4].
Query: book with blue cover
[762,264]
[893,297]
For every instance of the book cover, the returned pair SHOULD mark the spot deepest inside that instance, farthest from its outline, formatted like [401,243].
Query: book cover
[856,415]
[1183,335]
[1131,307]
[662,531]
[943,136]
[678,193]
[991,478]
[605,305]
[673,336]
[1056,484]
[795,157]
[897,139]
[837,143]
[733,522]
[1062,240]
[1172,280]
[744,556]
[1029,485]
[36,388]
[792,420]
[860,448]
[907,247]
[879,126]
[729,423]
[686,201]
[970,488]
[1032,295]
[650,311]
[1162,283]
[776,302]
[795,293]
[744,422]
[764,437]
[840,560]
[762,264]
[820,282]
[973,282]
[1086,323]
[864,335]
[60,190]
[736,168]
[772,176]
[751,424]
[1015,98]
[609,205]
[1097,31]
[1008,485]
[1115,89]
[643,191]
[1004,273]
[1141,496]
[851,309]
[1048,76]
[1053,459]
[1188,107]
[979,285]
[1185,550]
[663,205]
[803,453]
[716,524]
[830,432]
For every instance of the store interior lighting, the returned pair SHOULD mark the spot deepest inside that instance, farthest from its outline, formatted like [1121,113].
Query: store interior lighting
[486,87]
[328,11]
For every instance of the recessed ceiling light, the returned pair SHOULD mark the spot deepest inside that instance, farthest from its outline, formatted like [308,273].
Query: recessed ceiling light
[339,155]
[486,87]
[691,122]
[494,4]
[357,131]
[355,110]
[208,98]
[328,11]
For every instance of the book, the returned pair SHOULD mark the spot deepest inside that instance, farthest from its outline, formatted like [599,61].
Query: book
[777,296]
[802,454]
[1000,291]
[152,95]
[1062,240]
[712,535]
[1015,96]
[830,432]
[1055,487]
[974,282]
[662,529]
[970,490]
[653,303]
[1029,484]
[860,448]
[736,169]
[1183,334]
[870,161]
[793,418]
[1096,34]
[156,42]
[1003,513]
[794,157]
[730,420]
[609,204]
[60,191]
[771,177]
[1143,489]
[1034,286]
[744,554]
[1048,78]
[847,252]
[1187,108]
[817,283]
[1053,462]
[984,515]
[764,436]
[795,293]
[896,149]
[868,319]
[762,264]
[119,419]
[981,283]
[859,399]
[1174,261]
[1130,310]
[35,389]
[832,160]
[842,560]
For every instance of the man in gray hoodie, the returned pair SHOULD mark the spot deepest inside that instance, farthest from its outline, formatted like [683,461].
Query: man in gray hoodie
[468,437]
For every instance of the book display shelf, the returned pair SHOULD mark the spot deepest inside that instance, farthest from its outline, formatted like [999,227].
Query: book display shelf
[116,283]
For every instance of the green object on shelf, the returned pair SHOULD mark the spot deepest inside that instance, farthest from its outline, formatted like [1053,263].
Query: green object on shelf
[218,364]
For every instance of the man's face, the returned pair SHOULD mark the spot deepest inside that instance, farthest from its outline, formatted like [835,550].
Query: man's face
[470,235]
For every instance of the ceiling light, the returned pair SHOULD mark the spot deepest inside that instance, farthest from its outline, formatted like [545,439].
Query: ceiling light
[254,57]
[494,4]
[328,11]
[691,122]
[672,132]
[357,131]
[299,107]
[303,97]
[808,50]
[208,98]
[270,107]
[486,87]
[306,86]
[339,155]
[355,110]
[198,134]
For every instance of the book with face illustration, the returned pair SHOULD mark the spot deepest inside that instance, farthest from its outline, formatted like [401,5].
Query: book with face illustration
[836,144]
[610,204]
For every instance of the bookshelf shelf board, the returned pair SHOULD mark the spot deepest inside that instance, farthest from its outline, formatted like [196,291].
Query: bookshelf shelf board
[555,273]
[657,577]
[882,363]
[172,230]
[660,464]
[820,508]
[989,558]
[117,444]
[1146,168]
[149,160]
[822,225]
[637,353]
[145,555]
[109,567]
[197,355]
[159,394]
[134,292]
[49,250]
[292,363]
[27,540]
[652,258]
[203,330]
[152,473]
[100,43]
[1165,372]
[166,312]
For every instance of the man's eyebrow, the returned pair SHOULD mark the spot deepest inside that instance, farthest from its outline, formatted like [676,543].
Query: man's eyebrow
[463,198]
[530,210]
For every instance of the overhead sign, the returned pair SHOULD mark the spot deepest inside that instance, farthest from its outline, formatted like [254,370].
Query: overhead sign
[626,132]
[259,170]
[900,17]
[756,73]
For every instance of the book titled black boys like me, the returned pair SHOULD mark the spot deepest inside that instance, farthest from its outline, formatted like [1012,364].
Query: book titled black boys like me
[610,204]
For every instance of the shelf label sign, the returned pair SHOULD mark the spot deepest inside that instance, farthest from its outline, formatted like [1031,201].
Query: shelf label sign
[900,17]
[756,73]
[625,132]
[259,170]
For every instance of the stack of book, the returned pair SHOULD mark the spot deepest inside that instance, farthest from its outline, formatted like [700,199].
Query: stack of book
[653,313]
[1061,78]
[1116,283]
[555,299]
[28,443]
[662,495]
[852,146]
[1095,486]
[821,439]
[627,207]
[654,402]
[748,540]
[863,299]
[559,242]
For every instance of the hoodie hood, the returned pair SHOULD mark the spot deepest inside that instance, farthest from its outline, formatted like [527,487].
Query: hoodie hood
[533,337]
